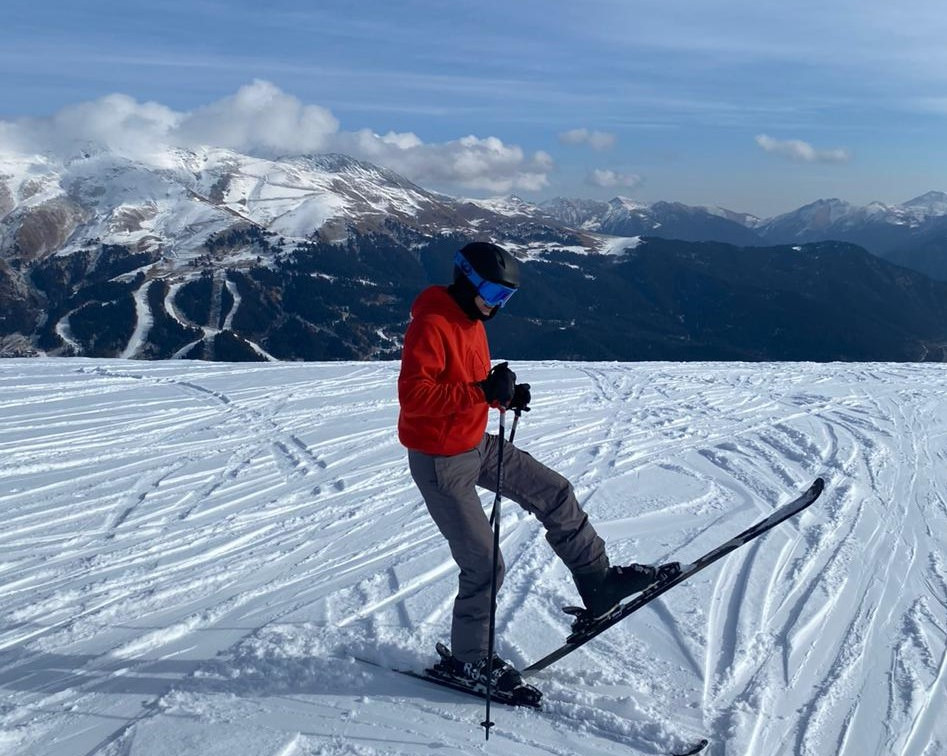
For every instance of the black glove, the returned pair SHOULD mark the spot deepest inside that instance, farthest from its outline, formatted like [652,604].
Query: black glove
[521,397]
[499,386]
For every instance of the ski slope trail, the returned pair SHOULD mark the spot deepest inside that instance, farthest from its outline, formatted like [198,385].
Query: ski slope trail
[192,556]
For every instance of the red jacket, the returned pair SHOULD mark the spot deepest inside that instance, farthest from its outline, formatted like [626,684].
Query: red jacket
[445,353]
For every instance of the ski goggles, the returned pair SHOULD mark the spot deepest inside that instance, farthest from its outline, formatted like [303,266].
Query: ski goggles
[494,294]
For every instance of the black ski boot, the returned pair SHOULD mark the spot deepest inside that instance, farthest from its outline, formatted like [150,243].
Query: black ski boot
[602,592]
[507,683]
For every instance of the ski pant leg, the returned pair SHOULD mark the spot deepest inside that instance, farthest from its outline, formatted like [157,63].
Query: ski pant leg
[550,497]
[448,486]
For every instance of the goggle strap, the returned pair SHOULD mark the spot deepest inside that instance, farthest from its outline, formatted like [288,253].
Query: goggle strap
[492,290]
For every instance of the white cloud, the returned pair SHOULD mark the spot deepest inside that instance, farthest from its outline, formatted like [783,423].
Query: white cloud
[802,152]
[608,179]
[116,122]
[260,119]
[471,162]
[597,140]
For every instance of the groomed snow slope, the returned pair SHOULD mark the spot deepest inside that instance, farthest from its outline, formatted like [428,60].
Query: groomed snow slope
[192,554]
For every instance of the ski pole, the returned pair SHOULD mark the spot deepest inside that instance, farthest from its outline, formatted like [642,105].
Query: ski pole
[516,418]
[495,517]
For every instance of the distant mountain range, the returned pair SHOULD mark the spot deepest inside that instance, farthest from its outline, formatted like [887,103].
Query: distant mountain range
[671,220]
[216,255]
[912,234]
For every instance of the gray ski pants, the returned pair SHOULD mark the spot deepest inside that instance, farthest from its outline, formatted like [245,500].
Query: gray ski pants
[448,485]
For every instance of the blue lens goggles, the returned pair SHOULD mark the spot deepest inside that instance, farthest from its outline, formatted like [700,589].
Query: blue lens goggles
[494,294]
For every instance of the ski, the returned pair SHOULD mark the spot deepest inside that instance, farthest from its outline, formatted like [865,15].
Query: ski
[496,697]
[695,749]
[588,630]
[429,675]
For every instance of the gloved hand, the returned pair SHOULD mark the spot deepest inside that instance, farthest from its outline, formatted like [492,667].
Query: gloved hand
[499,386]
[521,397]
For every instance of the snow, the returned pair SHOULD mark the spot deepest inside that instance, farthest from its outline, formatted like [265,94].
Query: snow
[617,245]
[509,206]
[284,198]
[929,205]
[31,180]
[630,204]
[64,331]
[193,554]
[144,321]
[237,301]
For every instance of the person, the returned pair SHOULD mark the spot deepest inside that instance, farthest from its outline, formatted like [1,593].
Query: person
[446,387]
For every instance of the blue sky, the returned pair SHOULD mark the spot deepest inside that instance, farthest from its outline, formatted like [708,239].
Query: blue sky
[755,106]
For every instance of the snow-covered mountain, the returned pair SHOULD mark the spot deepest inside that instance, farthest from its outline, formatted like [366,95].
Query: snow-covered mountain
[578,213]
[174,200]
[926,206]
[171,203]
[836,217]
[216,255]
[912,234]
[623,216]
[193,555]
[886,230]
[179,226]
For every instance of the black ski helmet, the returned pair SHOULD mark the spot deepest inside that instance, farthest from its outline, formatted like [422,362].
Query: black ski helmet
[492,263]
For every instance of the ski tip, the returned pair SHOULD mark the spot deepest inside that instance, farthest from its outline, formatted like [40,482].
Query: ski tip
[695,749]
[818,485]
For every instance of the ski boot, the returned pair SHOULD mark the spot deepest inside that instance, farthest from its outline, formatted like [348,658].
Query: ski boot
[602,592]
[506,686]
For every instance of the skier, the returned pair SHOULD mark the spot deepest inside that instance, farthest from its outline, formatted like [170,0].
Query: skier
[445,389]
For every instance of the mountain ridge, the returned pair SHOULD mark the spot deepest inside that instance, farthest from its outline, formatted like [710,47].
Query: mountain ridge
[324,195]
[226,256]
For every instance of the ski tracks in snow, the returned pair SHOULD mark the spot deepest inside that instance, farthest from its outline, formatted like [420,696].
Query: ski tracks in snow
[795,624]
[807,630]
[151,506]
[208,541]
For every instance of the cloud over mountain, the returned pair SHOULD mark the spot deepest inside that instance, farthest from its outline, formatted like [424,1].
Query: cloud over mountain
[261,119]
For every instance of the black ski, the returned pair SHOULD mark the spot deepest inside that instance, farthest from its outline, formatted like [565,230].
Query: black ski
[427,676]
[461,688]
[695,749]
[589,630]
[431,676]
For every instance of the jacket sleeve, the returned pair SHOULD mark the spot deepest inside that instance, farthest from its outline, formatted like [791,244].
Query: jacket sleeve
[421,388]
